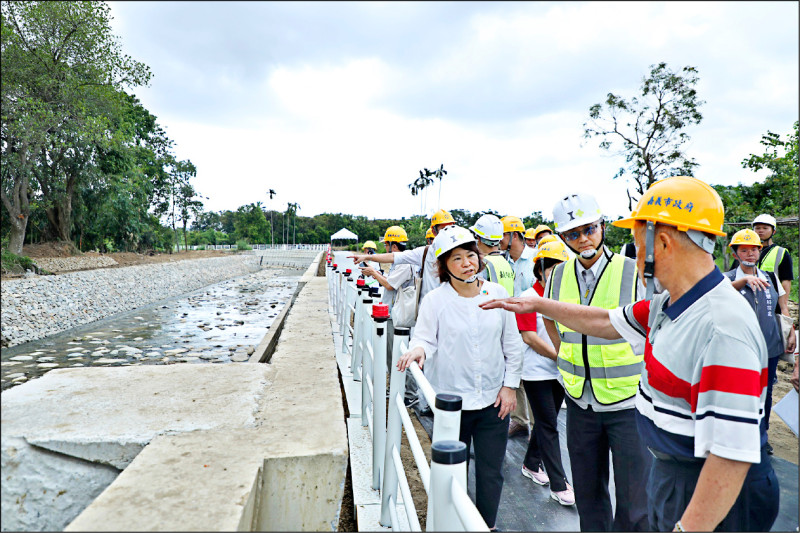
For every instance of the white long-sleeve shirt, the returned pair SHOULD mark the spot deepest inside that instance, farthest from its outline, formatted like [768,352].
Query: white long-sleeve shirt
[468,351]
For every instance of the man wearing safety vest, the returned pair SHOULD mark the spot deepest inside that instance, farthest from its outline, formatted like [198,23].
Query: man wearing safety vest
[600,377]
[701,394]
[773,258]
[520,257]
[488,231]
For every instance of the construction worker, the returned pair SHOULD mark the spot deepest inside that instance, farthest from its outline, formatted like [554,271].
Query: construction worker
[701,395]
[369,248]
[520,257]
[429,236]
[599,377]
[542,463]
[423,262]
[398,277]
[773,258]
[530,240]
[536,234]
[762,291]
[488,231]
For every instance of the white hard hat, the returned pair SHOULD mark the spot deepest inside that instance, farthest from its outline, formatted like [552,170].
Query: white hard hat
[575,210]
[488,227]
[450,237]
[765,219]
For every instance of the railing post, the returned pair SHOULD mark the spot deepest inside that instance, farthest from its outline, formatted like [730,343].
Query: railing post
[380,317]
[448,461]
[367,365]
[394,427]
[447,417]
[357,351]
[446,424]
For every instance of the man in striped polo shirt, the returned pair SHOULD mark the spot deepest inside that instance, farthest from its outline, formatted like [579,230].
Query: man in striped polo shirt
[702,391]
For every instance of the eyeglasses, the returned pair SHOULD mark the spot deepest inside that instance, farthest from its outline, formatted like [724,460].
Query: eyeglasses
[574,235]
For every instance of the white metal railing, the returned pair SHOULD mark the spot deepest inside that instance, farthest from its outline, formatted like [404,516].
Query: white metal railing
[445,479]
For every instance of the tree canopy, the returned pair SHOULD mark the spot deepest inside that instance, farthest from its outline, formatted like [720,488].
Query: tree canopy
[648,130]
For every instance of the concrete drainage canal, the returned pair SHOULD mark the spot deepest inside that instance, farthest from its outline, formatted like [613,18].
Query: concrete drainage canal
[53,467]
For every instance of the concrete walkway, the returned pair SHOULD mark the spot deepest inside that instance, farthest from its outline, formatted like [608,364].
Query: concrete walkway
[200,447]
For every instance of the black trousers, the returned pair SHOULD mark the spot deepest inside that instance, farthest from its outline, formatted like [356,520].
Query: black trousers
[489,436]
[545,399]
[672,483]
[772,377]
[590,436]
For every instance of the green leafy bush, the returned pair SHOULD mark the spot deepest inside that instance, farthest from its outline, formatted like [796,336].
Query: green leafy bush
[243,245]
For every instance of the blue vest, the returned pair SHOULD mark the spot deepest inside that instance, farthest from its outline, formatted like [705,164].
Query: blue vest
[763,303]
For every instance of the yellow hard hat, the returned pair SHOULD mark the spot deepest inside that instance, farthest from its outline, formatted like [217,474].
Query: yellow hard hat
[530,233]
[442,217]
[747,237]
[395,234]
[512,224]
[551,250]
[548,238]
[369,244]
[539,229]
[429,234]
[681,201]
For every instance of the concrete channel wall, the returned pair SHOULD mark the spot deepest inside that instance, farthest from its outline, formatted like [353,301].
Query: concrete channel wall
[184,447]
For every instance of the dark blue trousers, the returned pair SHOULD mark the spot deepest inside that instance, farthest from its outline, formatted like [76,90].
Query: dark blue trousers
[672,484]
[590,436]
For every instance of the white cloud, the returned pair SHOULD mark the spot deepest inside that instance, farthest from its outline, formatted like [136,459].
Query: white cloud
[338,111]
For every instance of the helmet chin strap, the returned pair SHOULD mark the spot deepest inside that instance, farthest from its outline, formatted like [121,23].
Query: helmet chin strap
[649,261]
[472,279]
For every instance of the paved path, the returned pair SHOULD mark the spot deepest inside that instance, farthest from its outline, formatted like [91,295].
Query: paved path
[525,506]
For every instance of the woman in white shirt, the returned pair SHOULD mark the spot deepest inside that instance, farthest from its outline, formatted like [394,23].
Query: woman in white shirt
[475,356]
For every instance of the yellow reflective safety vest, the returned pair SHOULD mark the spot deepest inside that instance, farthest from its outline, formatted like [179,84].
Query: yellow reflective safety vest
[499,271]
[611,367]
[772,260]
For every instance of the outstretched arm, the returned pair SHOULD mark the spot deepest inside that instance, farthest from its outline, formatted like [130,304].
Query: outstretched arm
[380,258]
[588,320]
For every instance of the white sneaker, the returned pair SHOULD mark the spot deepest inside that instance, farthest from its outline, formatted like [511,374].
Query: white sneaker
[565,497]
[539,477]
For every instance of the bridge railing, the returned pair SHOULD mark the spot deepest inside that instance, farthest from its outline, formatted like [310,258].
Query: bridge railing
[362,324]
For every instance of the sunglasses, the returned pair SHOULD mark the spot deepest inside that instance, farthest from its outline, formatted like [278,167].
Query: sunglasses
[574,235]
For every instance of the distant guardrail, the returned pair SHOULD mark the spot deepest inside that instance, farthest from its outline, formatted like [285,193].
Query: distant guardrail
[315,247]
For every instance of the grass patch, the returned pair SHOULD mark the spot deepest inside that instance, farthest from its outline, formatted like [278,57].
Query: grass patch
[16,264]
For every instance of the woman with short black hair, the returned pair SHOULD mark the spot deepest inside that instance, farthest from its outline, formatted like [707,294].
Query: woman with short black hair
[470,354]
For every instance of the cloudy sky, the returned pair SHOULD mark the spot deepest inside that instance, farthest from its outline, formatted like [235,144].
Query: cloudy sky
[337,106]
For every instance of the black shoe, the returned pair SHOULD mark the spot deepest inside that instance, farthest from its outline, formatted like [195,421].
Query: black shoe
[770,451]
[410,402]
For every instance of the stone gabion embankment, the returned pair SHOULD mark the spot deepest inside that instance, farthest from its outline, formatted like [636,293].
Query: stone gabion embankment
[65,264]
[35,307]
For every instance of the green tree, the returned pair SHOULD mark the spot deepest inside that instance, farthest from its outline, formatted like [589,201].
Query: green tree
[777,195]
[62,75]
[648,130]
[250,224]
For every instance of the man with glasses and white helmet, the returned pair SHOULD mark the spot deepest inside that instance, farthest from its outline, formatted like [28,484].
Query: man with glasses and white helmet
[600,377]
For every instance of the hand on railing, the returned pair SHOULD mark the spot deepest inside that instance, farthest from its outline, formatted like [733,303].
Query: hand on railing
[417,354]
